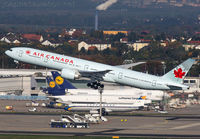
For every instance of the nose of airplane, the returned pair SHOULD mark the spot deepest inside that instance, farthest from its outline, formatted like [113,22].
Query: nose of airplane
[8,52]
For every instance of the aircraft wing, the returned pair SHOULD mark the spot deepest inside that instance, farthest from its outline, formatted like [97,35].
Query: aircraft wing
[94,75]
[182,87]
[126,66]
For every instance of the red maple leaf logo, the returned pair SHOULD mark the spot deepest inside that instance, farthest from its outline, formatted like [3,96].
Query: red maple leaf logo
[179,73]
[28,52]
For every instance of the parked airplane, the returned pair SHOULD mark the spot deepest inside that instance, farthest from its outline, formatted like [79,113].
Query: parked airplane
[74,68]
[90,102]
[106,107]
[88,99]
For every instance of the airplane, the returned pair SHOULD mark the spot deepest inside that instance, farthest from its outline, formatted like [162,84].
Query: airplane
[106,107]
[90,101]
[75,68]
[60,86]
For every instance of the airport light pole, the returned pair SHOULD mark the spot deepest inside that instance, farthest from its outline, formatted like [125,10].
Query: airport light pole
[46,78]
[22,83]
[100,106]
[164,100]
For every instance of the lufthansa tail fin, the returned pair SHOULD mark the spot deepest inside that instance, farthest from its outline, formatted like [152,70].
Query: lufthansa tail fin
[48,79]
[178,73]
[51,83]
[61,82]
[53,88]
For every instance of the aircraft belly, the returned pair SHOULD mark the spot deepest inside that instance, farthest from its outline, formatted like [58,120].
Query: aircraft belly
[108,78]
[82,109]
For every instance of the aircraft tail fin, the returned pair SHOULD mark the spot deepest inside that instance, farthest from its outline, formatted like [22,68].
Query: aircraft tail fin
[48,79]
[178,73]
[53,88]
[63,83]
[50,82]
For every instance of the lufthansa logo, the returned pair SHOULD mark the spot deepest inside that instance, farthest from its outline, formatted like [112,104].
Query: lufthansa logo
[59,80]
[69,108]
[52,84]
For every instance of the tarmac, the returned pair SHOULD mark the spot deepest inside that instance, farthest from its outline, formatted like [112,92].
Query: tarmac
[179,123]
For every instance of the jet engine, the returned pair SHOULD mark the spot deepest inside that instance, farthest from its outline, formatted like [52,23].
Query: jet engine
[70,74]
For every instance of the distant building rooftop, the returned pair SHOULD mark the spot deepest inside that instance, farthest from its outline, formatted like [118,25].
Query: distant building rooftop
[33,37]
[110,32]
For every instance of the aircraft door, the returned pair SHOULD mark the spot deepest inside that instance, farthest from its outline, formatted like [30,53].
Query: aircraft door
[20,53]
[86,68]
[46,59]
[120,75]
[154,83]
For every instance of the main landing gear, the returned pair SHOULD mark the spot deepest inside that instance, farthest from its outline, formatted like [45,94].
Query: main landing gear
[95,85]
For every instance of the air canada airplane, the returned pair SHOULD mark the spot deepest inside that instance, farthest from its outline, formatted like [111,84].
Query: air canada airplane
[75,68]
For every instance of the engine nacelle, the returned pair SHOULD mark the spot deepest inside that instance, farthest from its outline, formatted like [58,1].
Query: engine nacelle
[70,74]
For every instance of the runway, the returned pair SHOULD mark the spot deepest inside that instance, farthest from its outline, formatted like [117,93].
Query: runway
[183,123]
[127,126]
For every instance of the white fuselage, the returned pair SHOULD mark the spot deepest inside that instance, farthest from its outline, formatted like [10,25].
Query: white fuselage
[123,99]
[154,95]
[113,107]
[116,74]
[90,102]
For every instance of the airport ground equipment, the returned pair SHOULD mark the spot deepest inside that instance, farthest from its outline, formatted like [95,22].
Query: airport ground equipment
[91,118]
[32,109]
[94,118]
[9,107]
[32,104]
[67,121]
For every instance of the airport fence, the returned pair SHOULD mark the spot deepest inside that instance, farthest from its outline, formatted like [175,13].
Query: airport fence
[12,97]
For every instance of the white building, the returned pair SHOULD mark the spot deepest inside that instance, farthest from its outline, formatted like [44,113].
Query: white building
[10,40]
[50,43]
[4,39]
[191,46]
[194,83]
[138,45]
[99,46]
[25,80]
